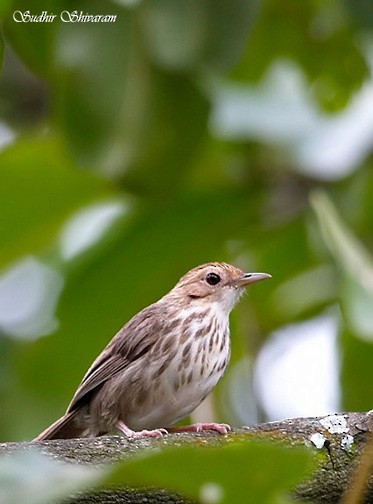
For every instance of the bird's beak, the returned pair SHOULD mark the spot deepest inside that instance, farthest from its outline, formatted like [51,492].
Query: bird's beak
[250,278]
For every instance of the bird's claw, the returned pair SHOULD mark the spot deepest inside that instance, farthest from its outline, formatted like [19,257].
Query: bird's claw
[199,427]
[143,433]
[148,433]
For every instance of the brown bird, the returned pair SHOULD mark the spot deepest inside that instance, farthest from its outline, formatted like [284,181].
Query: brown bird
[163,363]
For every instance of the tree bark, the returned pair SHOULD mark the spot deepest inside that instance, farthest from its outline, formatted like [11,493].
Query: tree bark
[338,440]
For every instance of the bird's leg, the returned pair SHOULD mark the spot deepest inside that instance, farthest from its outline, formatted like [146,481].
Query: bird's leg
[144,433]
[199,427]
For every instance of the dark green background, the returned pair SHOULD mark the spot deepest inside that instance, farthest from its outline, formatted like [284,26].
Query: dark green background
[121,112]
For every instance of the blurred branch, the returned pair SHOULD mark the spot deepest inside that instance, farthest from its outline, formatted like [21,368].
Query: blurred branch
[355,492]
[337,439]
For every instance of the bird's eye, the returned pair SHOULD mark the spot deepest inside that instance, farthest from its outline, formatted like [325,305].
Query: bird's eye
[212,278]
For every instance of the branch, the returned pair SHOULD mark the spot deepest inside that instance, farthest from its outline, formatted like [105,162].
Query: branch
[337,439]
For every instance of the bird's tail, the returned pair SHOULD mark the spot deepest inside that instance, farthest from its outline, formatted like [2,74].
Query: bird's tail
[66,427]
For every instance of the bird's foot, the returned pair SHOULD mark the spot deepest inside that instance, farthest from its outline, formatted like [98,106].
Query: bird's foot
[135,434]
[147,433]
[199,427]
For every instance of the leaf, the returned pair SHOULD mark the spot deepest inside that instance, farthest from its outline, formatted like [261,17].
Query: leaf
[301,31]
[39,188]
[31,478]
[356,296]
[33,41]
[241,472]
[165,140]
[1,50]
[361,12]
[185,35]
[356,264]
[356,372]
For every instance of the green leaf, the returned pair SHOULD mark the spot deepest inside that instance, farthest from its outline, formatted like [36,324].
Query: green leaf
[1,52]
[356,264]
[356,372]
[173,114]
[93,97]
[356,296]
[31,478]
[240,473]
[5,7]
[361,12]
[301,31]
[39,188]
[33,42]
[185,35]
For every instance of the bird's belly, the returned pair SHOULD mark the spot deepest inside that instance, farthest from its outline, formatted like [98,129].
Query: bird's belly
[176,391]
[170,406]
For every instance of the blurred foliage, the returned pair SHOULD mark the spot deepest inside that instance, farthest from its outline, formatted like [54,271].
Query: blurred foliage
[32,478]
[116,119]
[202,475]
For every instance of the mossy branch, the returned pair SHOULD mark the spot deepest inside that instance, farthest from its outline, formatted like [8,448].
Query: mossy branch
[338,440]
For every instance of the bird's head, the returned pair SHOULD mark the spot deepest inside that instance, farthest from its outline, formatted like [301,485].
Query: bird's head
[215,283]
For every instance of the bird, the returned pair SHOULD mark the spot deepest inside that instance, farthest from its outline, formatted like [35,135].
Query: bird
[163,362]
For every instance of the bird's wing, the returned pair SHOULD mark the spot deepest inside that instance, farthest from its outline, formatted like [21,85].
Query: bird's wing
[134,340]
